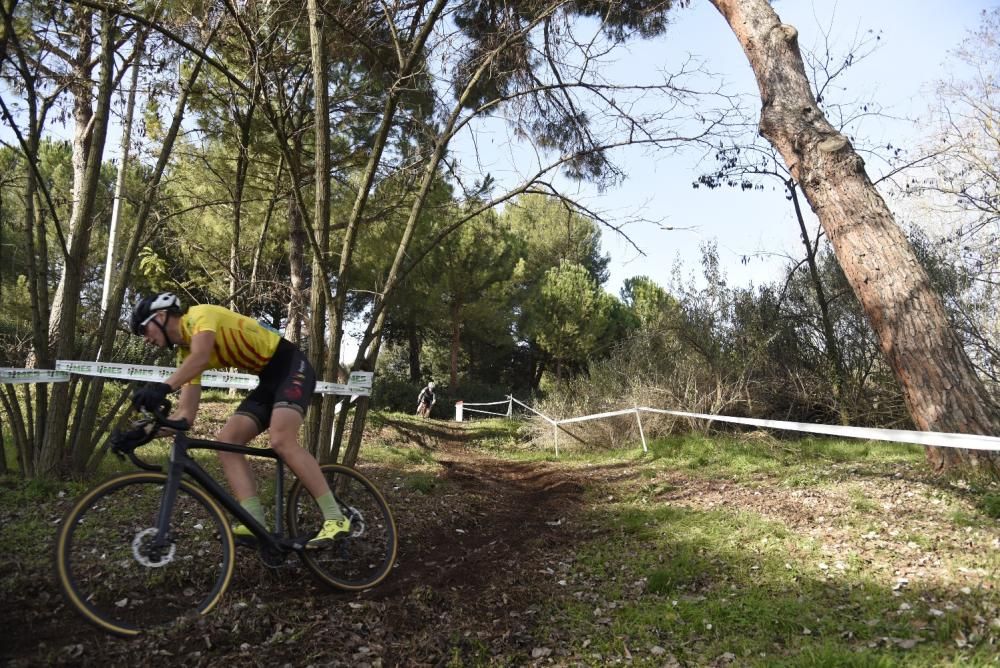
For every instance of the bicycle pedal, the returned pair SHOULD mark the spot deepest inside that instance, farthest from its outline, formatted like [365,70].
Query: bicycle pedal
[299,543]
[246,541]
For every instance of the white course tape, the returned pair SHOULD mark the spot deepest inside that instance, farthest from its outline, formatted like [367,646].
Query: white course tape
[488,403]
[476,410]
[596,416]
[938,439]
[13,376]
[544,417]
[358,383]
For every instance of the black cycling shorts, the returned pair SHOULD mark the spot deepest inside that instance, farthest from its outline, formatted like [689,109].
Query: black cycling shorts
[288,381]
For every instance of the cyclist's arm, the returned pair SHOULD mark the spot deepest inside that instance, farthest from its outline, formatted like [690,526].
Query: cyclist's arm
[196,361]
[187,407]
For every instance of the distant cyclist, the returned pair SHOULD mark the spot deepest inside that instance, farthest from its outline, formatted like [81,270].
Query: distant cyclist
[425,400]
[212,337]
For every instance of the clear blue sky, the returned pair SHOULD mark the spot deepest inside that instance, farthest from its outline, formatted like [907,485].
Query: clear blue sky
[916,36]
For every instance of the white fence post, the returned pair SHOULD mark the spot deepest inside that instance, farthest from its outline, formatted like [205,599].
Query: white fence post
[642,435]
[458,411]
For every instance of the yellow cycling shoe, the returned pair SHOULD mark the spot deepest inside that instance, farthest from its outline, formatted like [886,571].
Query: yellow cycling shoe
[332,529]
[243,536]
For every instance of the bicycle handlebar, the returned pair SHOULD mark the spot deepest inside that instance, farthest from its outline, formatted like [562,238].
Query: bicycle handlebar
[161,419]
[124,443]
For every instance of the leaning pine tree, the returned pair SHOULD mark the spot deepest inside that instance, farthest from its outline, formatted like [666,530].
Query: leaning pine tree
[939,382]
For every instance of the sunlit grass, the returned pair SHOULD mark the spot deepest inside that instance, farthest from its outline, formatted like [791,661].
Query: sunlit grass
[727,586]
[795,460]
[711,584]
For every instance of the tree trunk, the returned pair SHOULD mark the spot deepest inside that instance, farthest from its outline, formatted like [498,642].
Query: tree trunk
[116,208]
[413,339]
[332,451]
[366,363]
[28,438]
[412,60]
[829,337]
[357,431]
[264,232]
[456,342]
[296,261]
[84,449]
[236,272]
[83,113]
[3,452]
[19,430]
[320,418]
[537,370]
[63,321]
[939,383]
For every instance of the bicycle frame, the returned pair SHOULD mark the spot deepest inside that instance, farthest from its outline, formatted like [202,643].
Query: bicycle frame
[181,463]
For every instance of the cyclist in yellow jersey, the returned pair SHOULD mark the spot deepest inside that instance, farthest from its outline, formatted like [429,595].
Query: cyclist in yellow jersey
[239,341]
[211,337]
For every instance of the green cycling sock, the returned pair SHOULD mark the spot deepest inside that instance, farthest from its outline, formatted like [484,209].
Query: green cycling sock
[328,505]
[251,504]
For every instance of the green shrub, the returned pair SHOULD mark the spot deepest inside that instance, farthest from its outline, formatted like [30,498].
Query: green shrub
[393,393]
[990,505]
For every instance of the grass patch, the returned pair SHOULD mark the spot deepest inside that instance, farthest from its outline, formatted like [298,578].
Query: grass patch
[860,501]
[397,456]
[989,504]
[421,482]
[729,584]
[802,462]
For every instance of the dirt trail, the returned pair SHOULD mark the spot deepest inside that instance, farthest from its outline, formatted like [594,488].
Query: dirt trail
[475,559]
[471,574]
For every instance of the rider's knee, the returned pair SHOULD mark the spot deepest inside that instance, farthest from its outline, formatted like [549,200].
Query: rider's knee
[282,444]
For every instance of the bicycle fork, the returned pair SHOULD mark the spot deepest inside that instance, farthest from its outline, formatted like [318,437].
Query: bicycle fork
[159,546]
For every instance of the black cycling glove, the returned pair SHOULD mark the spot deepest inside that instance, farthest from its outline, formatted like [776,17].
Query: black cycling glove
[151,396]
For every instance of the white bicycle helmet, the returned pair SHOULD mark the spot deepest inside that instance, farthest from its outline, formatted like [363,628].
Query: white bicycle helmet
[147,307]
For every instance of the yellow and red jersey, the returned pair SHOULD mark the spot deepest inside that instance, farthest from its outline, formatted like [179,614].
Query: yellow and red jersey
[240,341]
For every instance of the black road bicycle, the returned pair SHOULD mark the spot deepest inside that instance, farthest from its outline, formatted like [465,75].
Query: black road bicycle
[146,548]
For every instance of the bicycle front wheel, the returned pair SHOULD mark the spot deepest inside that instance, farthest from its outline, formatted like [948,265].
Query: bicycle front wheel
[108,571]
[365,556]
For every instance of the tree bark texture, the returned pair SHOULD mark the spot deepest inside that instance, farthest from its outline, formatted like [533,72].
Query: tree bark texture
[64,314]
[939,383]
[236,277]
[320,420]
[456,342]
[83,113]
[296,261]
[413,340]
[84,452]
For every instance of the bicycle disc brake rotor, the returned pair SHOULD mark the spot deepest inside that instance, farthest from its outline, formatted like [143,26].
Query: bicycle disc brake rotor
[358,525]
[141,545]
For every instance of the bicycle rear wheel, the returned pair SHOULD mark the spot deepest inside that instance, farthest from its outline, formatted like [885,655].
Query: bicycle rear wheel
[107,571]
[361,559]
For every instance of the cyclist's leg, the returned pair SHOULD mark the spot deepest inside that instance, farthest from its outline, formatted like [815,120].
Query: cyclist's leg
[239,429]
[284,434]
[294,381]
[284,430]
